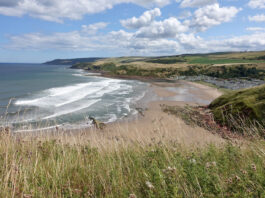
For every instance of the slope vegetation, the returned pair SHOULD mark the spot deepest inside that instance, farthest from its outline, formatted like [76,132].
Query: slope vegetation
[247,105]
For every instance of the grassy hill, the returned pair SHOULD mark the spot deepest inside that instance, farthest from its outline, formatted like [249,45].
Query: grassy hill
[244,106]
[211,58]
[223,65]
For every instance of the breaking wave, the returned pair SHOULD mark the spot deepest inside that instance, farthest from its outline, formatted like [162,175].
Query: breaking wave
[102,93]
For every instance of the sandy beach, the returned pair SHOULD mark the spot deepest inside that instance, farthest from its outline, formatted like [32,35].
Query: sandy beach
[152,126]
[156,126]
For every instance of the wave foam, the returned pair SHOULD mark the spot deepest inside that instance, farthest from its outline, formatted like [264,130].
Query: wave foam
[68,111]
[112,96]
[69,99]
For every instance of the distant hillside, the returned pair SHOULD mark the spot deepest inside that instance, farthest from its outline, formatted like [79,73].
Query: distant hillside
[210,58]
[72,61]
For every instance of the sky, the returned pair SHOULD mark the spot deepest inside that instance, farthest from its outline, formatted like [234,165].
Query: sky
[35,31]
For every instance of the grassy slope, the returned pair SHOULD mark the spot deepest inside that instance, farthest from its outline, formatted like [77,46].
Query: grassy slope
[54,169]
[248,103]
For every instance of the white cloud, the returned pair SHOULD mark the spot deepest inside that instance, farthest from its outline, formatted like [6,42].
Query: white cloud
[58,10]
[82,40]
[250,42]
[151,37]
[129,42]
[143,20]
[257,18]
[126,43]
[93,28]
[119,42]
[37,41]
[257,4]
[201,20]
[191,42]
[256,29]
[254,41]
[168,28]
[147,3]
[212,15]
[196,3]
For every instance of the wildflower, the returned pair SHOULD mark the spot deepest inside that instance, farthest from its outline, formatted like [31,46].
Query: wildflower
[244,172]
[253,167]
[237,178]
[208,165]
[193,161]
[229,181]
[214,164]
[149,185]
[132,196]
[169,169]
[89,194]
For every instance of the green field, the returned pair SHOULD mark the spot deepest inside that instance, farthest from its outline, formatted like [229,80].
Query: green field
[207,60]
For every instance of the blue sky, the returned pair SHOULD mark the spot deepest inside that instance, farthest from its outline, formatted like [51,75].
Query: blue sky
[41,30]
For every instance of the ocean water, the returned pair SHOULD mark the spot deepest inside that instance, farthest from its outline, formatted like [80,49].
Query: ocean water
[43,96]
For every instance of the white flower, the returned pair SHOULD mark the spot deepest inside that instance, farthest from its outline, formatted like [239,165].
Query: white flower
[149,185]
[193,161]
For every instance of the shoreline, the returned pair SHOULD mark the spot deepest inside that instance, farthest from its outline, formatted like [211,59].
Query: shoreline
[147,79]
[143,127]
[156,126]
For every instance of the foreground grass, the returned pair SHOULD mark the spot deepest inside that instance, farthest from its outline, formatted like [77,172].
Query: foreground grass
[50,168]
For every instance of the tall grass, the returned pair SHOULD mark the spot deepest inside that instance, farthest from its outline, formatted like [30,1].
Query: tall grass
[53,168]
[78,164]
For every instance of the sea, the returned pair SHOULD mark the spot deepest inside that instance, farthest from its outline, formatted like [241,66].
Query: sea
[39,96]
